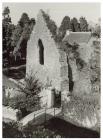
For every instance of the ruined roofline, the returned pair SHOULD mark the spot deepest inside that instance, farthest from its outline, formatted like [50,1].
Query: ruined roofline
[81,32]
[77,37]
[52,27]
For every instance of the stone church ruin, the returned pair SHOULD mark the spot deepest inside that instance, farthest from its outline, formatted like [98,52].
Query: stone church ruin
[71,66]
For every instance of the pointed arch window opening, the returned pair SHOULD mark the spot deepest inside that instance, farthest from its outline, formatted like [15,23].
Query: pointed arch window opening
[41,52]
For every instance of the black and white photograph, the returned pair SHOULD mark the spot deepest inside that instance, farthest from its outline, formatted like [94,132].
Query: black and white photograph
[51,70]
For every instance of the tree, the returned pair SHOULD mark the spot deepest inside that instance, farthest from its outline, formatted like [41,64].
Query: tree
[6,12]
[65,25]
[74,25]
[72,53]
[16,35]
[24,19]
[22,34]
[7,28]
[97,31]
[30,88]
[83,24]
[19,29]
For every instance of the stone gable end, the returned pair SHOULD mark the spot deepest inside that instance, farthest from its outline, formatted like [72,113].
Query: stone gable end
[54,69]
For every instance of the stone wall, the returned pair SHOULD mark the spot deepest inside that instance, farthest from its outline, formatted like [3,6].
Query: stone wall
[82,107]
[50,72]
[10,113]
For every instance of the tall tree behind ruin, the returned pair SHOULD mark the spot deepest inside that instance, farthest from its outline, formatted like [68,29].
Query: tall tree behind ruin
[7,30]
[74,25]
[83,24]
[22,34]
[65,25]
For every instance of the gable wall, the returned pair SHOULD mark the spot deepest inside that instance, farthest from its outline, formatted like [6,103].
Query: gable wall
[50,71]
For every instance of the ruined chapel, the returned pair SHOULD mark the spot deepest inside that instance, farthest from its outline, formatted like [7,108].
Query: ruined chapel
[65,72]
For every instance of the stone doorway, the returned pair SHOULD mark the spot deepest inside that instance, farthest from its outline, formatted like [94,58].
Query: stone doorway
[57,99]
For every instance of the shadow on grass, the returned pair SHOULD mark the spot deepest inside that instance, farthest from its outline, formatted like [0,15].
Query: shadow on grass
[68,130]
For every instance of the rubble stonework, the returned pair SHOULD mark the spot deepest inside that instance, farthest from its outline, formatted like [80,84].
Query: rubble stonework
[55,63]
[82,105]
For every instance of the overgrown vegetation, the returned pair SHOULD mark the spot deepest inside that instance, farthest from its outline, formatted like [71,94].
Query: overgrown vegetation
[15,38]
[10,130]
[16,73]
[50,24]
[29,99]
[29,131]
[49,129]
[95,68]
[83,106]
[72,53]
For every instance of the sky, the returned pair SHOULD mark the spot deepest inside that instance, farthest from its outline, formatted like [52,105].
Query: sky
[91,11]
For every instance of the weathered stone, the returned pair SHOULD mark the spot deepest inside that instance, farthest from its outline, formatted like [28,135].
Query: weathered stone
[59,71]
[65,85]
[54,58]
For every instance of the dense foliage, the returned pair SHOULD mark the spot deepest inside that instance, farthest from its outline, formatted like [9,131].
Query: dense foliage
[29,99]
[83,24]
[49,129]
[96,32]
[7,30]
[73,25]
[13,130]
[65,25]
[21,35]
[15,37]
[10,130]
[95,68]
[82,107]
[72,53]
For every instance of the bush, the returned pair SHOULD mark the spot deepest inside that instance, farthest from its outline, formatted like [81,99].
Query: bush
[39,131]
[30,99]
[10,130]
[5,99]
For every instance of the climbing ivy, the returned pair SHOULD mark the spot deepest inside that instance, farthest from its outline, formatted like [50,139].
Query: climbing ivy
[50,24]
[72,53]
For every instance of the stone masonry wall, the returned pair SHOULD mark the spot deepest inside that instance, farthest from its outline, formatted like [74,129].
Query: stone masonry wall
[50,72]
[82,106]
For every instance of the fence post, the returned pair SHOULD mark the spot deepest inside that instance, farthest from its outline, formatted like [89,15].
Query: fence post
[34,117]
[54,111]
[45,114]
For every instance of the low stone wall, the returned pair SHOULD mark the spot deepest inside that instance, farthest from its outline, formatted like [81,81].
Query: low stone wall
[10,113]
[84,111]
[40,116]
